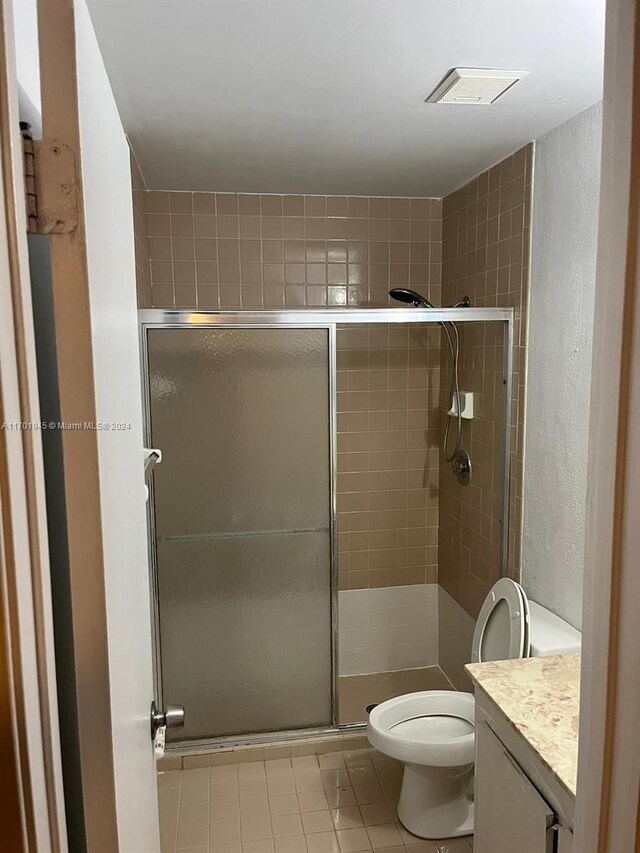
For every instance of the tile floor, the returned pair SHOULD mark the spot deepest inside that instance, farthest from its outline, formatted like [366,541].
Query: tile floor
[358,691]
[339,802]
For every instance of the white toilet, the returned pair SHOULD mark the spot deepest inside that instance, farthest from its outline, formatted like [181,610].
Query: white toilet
[433,732]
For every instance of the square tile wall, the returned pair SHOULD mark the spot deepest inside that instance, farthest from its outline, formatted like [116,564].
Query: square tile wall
[212,250]
[385,630]
[140,229]
[225,250]
[469,516]
[389,428]
[220,250]
[486,241]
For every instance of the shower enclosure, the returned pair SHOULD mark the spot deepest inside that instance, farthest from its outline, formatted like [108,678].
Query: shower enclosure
[262,418]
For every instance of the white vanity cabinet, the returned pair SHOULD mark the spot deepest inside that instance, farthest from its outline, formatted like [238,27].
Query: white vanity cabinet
[520,807]
[510,814]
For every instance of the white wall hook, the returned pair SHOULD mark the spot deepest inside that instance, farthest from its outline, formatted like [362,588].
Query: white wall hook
[152,456]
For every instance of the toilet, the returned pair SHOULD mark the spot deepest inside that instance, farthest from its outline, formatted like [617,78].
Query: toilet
[433,732]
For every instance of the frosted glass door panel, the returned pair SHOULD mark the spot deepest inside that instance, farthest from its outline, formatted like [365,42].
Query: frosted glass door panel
[242,418]
[245,632]
[242,514]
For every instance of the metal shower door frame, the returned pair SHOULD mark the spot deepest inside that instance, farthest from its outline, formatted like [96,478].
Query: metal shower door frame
[329,319]
[181,323]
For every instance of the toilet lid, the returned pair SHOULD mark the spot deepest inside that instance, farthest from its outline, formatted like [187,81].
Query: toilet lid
[502,628]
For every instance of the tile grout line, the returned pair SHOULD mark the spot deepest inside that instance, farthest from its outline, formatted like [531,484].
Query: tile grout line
[359,766]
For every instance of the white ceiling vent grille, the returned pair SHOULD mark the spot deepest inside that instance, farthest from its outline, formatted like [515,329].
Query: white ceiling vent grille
[474,86]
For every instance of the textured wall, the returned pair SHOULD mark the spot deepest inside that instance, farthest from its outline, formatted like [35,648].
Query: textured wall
[486,236]
[563,268]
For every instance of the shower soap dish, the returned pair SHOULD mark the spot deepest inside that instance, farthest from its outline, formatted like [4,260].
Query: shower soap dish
[466,403]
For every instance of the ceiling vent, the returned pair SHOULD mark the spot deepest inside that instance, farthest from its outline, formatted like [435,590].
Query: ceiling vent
[474,86]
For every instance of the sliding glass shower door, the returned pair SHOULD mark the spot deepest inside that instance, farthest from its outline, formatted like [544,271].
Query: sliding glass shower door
[242,506]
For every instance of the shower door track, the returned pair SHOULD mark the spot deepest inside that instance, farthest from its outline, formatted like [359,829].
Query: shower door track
[329,319]
[191,747]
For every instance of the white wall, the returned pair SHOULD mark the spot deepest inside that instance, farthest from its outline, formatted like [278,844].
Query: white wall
[388,629]
[563,266]
[28,65]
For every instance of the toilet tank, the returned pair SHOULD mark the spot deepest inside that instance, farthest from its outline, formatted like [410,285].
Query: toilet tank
[549,634]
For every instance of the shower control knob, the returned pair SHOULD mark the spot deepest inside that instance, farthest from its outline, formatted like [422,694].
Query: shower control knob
[461,467]
[172,717]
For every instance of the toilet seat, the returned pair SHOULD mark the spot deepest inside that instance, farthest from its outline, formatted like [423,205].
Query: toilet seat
[526,650]
[446,739]
[502,629]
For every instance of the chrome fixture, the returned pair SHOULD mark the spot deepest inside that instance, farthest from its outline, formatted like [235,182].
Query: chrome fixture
[172,717]
[461,467]
[411,297]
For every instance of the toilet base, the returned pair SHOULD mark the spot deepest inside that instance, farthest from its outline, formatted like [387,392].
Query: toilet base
[434,801]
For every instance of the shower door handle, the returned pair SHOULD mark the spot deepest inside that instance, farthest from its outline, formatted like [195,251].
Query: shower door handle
[172,717]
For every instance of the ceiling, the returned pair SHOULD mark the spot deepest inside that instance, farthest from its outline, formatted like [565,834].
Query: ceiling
[327,96]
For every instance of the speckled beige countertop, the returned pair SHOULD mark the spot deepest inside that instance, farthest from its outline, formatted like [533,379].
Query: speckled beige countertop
[540,697]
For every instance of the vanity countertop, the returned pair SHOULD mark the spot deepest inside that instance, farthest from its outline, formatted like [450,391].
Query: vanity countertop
[540,698]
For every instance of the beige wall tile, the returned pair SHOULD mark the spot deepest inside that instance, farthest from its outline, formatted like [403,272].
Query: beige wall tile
[485,255]
[229,250]
[142,204]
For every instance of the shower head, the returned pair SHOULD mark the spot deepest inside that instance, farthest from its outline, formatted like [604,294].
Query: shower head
[403,294]
[412,297]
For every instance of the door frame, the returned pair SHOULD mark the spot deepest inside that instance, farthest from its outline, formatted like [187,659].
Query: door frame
[72,319]
[31,755]
[610,739]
